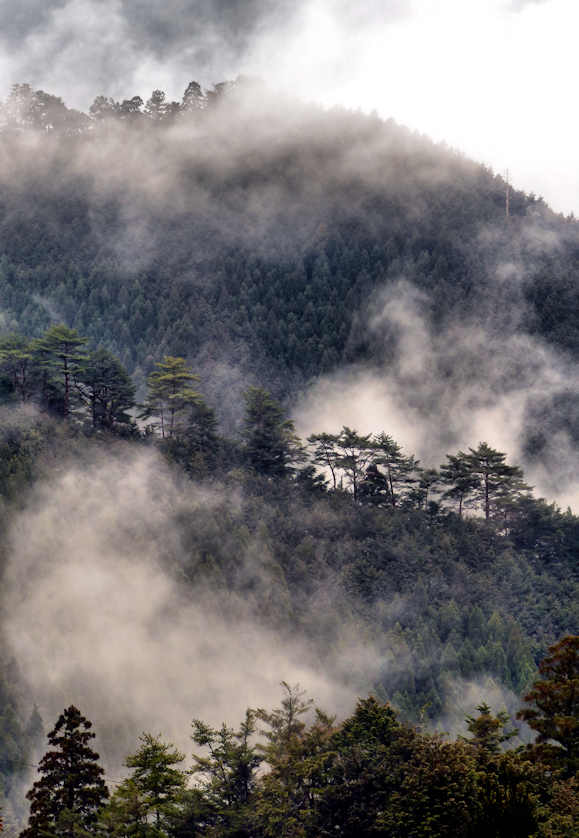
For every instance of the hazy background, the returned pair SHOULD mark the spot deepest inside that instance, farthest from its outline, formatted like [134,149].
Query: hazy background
[495,78]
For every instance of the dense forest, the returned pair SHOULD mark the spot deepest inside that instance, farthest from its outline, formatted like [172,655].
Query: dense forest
[173,278]
[369,775]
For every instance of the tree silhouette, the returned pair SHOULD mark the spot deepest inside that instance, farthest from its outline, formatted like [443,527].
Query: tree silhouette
[70,792]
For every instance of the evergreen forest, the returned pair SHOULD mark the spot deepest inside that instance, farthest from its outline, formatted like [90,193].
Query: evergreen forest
[188,290]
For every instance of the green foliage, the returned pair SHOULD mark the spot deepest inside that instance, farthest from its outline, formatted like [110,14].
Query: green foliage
[71,791]
[270,442]
[555,714]
[226,777]
[106,389]
[488,730]
[60,357]
[146,803]
[171,396]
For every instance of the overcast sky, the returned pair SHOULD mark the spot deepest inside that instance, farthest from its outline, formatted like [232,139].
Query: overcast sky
[494,78]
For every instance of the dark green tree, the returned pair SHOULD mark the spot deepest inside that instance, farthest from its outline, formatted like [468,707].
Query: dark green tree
[553,706]
[326,453]
[16,364]
[462,482]
[498,483]
[356,453]
[171,395]
[271,446]
[107,390]
[71,791]
[60,355]
[226,776]
[488,731]
[400,470]
[159,783]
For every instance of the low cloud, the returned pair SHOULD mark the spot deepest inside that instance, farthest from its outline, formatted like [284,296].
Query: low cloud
[440,390]
[98,613]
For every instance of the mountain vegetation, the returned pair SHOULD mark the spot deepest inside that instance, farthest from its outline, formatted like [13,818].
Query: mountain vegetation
[172,276]
[294,772]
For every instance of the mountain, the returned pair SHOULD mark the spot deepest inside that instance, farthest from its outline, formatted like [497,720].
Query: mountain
[237,241]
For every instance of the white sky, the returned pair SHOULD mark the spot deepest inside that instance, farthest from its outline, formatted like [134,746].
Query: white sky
[496,79]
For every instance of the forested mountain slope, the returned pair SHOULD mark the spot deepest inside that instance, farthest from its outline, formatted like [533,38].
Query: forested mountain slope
[258,234]
[156,262]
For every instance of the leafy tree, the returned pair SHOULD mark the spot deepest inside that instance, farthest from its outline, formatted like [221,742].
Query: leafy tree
[193,98]
[463,482]
[155,108]
[369,751]
[488,731]
[554,705]
[286,803]
[356,452]
[66,800]
[171,395]
[325,453]
[399,469]
[125,815]
[438,794]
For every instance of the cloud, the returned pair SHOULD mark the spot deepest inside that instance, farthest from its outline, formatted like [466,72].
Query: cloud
[97,612]
[424,63]
[438,390]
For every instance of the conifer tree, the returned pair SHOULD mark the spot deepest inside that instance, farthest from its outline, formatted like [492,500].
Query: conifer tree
[498,483]
[60,355]
[171,395]
[553,705]
[67,798]
[157,782]
[270,441]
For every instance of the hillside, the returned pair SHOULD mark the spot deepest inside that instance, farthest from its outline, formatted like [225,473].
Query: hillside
[169,546]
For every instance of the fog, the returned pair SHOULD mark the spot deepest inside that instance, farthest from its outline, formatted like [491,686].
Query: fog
[97,612]
[441,391]
[95,606]
[423,63]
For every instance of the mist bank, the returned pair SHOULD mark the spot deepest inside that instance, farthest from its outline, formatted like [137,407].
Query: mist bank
[274,243]
[150,600]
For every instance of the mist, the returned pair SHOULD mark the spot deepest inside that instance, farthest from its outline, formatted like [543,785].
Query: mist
[438,391]
[414,61]
[97,612]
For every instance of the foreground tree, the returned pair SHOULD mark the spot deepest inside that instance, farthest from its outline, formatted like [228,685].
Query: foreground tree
[154,790]
[15,364]
[71,791]
[226,777]
[554,706]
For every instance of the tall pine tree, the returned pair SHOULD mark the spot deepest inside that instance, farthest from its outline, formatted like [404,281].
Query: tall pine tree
[67,798]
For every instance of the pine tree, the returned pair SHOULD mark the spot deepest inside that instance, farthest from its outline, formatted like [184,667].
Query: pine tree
[498,483]
[107,390]
[554,705]
[60,355]
[67,798]
[156,782]
[271,445]
[171,395]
